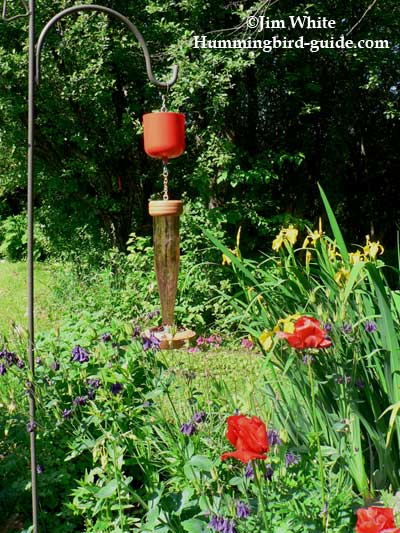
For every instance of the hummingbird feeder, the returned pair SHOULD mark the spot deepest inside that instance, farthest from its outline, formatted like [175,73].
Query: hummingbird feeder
[164,138]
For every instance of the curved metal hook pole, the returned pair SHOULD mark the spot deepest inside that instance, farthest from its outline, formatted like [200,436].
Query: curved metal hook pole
[126,21]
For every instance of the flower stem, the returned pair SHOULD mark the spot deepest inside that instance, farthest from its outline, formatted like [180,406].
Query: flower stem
[261,500]
[316,430]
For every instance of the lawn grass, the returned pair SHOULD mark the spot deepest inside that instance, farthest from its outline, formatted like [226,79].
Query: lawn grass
[236,374]
[13,297]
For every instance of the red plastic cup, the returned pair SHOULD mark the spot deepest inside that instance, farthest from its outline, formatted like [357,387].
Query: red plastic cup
[164,134]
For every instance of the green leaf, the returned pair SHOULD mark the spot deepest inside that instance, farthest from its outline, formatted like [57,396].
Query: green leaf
[194,525]
[108,490]
[201,462]
[337,234]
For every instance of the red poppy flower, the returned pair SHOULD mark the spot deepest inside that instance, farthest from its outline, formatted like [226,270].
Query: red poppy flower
[248,436]
[307,334]
[376,520]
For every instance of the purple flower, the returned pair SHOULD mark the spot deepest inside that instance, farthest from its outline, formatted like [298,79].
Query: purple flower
[39,469]
[67,413]
[80,400]
[10,357]
[370,326]
[94,383]
[291,459]
[269,471]
[327,327]
[55,366]
[31,426]
[3,369]
[308,359]
[360,384]
[188,428]
[91,394]
[116,388]
[136,331]
[242,510]
[219,523]
[199,417]
[246,344]
[273,437]
[79,354]
[150,343]
[249,472]
[20,363]
[106,337]
[193,349]
[39,361]
[200,341]
[153,314]
[347,328]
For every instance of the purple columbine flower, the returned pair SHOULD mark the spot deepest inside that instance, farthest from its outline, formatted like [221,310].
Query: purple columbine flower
[79,354]
[3,369]
[136,331]
[249,472]
[80,400]
[347,328]
[291,459]
[55,366]
[199,417]
[106,337]
[94,383]
[360,384]
[242,510]
[308,359]
[150,343]
[273,437]
[91,394]
[188,428]
[116,388]
[370,326]
[20,363]
[67,413]
[39,469]
[219,523]
[10,357]
[31,426]
[269,472]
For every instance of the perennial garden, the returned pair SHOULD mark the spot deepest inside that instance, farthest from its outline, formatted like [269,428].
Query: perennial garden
[281,419]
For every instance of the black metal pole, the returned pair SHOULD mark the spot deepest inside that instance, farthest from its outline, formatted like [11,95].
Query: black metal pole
[31,311]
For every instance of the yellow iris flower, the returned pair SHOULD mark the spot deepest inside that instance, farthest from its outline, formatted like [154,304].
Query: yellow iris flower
[372,249]
[289,235]
[314,236]
[267,339]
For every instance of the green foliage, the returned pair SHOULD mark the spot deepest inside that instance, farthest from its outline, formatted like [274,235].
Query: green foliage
[355,379]
[255,121]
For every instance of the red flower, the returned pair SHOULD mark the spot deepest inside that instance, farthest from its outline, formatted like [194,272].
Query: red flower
[376,520]
[307,334]
[248,436]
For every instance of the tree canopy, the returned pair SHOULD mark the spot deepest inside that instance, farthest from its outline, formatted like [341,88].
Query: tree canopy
[262,127]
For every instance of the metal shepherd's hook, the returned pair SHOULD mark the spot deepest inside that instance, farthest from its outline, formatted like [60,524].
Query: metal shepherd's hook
[34,77]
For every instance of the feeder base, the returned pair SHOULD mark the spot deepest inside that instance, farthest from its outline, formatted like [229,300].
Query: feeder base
[169,341]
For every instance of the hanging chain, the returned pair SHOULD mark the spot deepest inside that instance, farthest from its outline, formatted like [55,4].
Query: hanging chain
[165,174]
[163,103]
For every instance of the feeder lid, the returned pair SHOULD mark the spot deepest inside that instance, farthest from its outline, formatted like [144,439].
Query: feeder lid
[165,207]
